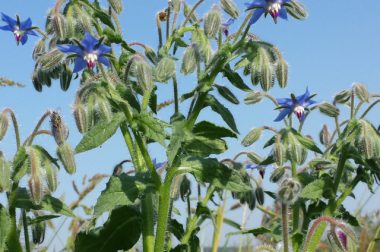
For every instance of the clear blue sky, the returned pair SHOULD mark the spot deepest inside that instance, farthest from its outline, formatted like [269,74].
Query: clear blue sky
[336,46]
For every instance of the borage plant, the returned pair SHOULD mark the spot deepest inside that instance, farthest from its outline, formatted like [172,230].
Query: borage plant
[120,85]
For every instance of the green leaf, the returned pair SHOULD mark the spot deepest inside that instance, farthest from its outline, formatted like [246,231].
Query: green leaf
[203,147]
[4,227]
[307,142]
[178,135]
[121,232]
[257,231]
[314,190]
[227,94]
[235,78]
[48,203]
[151,127]
[100,133]
[209,170]
[212,131]
[42,218]
[104,17]
[222,111]
[121,190]
[176,229]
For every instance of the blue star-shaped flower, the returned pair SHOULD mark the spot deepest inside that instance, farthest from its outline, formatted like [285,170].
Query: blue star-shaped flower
[88,51]
[226,26]
[274,7]
[158,165]
[20,30]
[295,104]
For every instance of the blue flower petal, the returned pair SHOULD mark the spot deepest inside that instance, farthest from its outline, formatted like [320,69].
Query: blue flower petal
[70,49]
[103,49]
[256,4]
[79,64]
[285,1]
[7,19]
[89,42]
[302,98]
[6,28]
[31,32]
[283,14]
[25,24]
[284,101]
[256,15]
[104,61]
[283,113]
[24,39]
[308,103]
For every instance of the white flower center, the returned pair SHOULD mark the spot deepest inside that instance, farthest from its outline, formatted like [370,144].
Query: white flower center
[299,111]
[274,9]
[91,59]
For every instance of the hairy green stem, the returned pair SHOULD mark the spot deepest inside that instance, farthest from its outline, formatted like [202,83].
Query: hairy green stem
[26,232]
[15,126]
[285,227]
[168,22]
[218,225]
[159,30]
[352,104]
[192,223]
[191,12]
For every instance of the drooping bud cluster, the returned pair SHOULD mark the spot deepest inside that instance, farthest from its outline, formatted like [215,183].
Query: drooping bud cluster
[190,59]
[165,69]
[143,72]
[289,191]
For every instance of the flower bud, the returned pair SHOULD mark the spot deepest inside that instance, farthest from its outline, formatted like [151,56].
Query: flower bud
[367,140]
[162,15]
[250,199]
[329,109]
[259,193]
[277,175]
[66,156]
[58,22]
[38,232]
[255,71]
[282,72]
[252,137]
[175,5]
[212,22]
[186,12]
[266,70]
[165,69]
[185,188]
[103,109]
[80,116]
[51,59]
[361,92]
[4,123]
[71,24]
[324,135]
[51,175]
[35,180]
[143,72]
[116,5]
[39,49]
[278,151]
[342,97]
[150,54]
[230,8]
[253,97]
[5,174]
[294,149]
[190,59]
[255,158]
[289,191]
[58,128]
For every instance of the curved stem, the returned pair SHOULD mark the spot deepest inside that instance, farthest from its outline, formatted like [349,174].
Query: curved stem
[191,12]
[247,18]
[38,125]
[159,30]
[40,132]
[369,108]
[168,22]
[15,126]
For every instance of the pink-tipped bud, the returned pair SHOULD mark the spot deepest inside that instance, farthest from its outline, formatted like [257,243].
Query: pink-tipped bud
[342,237]
[58,128]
